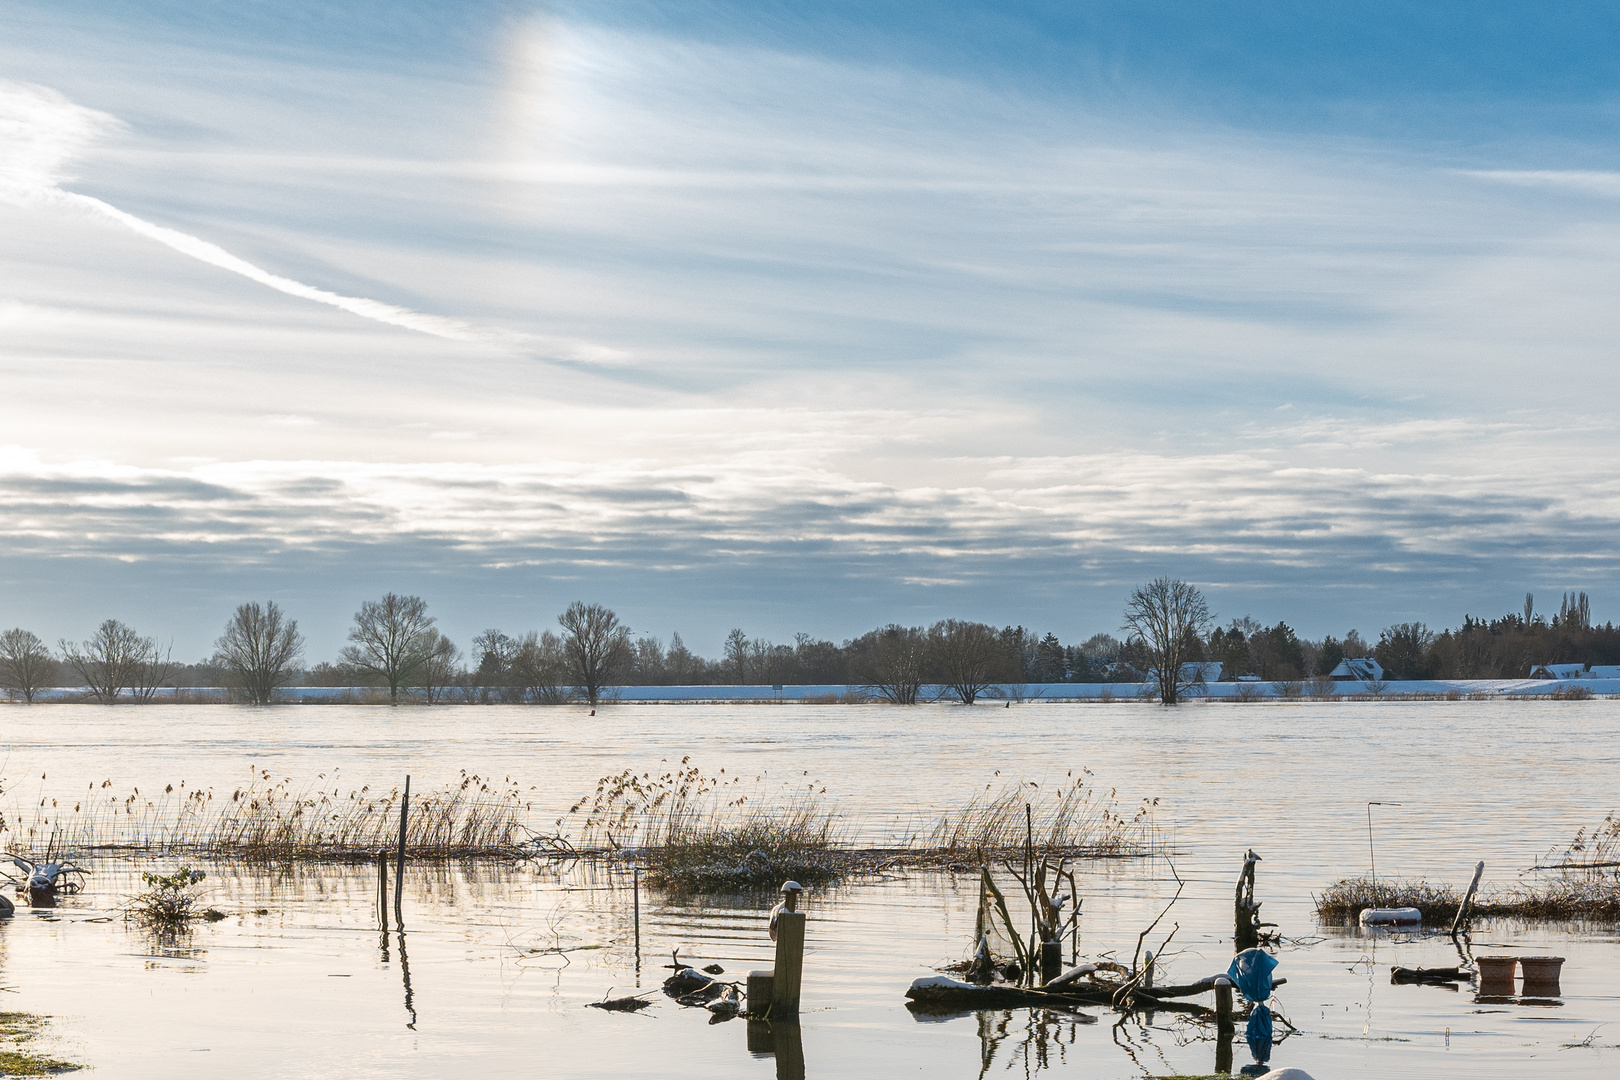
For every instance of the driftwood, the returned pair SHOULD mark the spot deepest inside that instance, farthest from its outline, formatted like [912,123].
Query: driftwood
[1246,909]
[1400,975]
[620,1004]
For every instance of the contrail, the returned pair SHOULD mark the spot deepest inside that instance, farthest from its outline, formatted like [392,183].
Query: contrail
[41,132]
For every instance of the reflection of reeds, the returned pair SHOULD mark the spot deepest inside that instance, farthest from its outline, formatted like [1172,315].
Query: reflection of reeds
[270,819]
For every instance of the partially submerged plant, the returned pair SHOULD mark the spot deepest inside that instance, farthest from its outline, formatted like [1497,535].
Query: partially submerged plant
[704,833]
[170,900]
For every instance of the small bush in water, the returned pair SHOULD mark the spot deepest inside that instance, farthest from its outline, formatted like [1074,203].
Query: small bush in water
[170,900]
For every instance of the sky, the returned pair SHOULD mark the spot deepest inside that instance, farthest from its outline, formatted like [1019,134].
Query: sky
[805,317]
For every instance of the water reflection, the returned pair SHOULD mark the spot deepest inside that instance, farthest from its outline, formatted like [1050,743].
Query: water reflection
[779,1039]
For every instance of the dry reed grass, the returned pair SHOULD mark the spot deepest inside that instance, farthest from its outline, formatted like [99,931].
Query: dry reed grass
[1582,884]
[690,831]
[713,833]
[1073,819]
[270,820]
[706,833]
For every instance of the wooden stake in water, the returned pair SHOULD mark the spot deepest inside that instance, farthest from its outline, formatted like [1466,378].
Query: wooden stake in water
[399,858]
[789,965]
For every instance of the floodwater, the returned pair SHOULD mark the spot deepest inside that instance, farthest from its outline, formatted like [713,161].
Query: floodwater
[297,981]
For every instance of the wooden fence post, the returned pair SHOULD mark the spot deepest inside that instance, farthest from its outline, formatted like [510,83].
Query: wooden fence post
[789,965]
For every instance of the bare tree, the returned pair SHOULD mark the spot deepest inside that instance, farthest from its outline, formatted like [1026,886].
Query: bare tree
[391,640]
[596,645]
[260,648]
[26,666]
[440,663]
[1168,618]
[539,671]
[153,666]
[893,662]
[106,662]
[970,657]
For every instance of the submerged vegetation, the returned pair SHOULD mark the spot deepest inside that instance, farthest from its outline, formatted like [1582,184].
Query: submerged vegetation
[170,901]
[17,1030]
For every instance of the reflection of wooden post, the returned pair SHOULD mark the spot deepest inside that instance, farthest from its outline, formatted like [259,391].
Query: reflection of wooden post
[789,1050]
[1225,1027]
[382,889]
[789,965]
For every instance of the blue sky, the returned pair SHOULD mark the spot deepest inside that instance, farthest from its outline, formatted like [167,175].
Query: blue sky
[805,317]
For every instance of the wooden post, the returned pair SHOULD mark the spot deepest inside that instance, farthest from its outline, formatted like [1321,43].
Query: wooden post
[1051,960]
[1461,920]
[1147,971]
[1226,1028]
[382,889]
[789,965]
[399,859]
[761,988]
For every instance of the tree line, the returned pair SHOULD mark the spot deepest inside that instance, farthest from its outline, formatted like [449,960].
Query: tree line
[394,644]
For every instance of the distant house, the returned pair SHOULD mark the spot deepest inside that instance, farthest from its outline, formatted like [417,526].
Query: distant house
[1603,671]
[1208,671]
[1360,669]
[1557,671]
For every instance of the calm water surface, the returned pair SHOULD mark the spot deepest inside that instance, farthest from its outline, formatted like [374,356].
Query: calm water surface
[311,989]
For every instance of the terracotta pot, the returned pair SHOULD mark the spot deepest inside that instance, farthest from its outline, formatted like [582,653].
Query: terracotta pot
[1496,970]
[1541,971]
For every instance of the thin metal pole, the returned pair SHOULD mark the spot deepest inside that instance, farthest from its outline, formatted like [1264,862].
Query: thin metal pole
[399,858]
[1371,858]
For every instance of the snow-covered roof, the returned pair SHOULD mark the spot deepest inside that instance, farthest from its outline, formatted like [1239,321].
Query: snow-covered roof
[1362,668]
[1557,671]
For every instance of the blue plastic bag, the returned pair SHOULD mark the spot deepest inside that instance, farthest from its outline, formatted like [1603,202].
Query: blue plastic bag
[1251,970]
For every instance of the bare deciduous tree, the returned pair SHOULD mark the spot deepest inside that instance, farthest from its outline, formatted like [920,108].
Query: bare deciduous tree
[26,666]
[596,646]
[391,640]
[1168,618]
[440,663]
[540,669]
[970,657]
[894,662]
[260,648]
[154,666]
[115,659]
